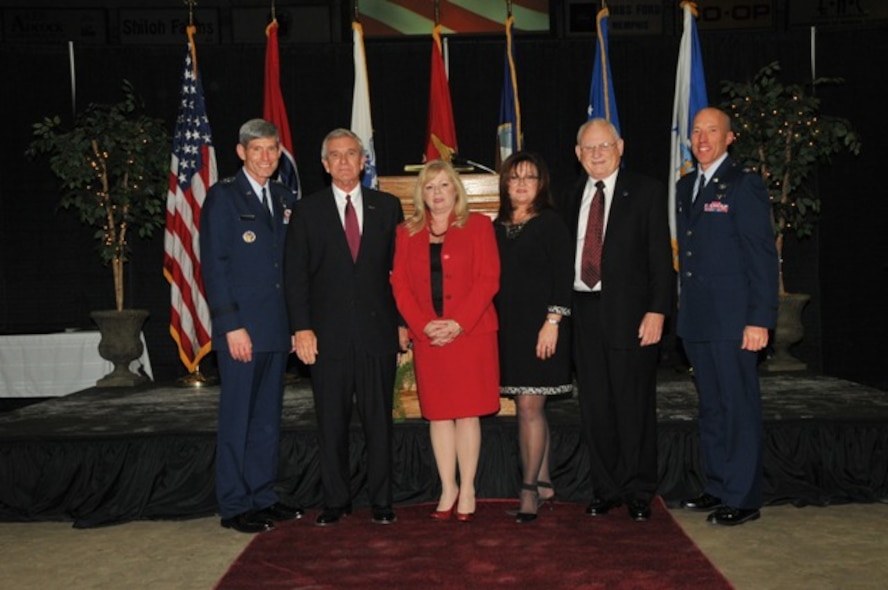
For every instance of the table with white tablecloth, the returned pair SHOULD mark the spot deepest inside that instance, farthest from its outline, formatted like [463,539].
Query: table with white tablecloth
[46,365]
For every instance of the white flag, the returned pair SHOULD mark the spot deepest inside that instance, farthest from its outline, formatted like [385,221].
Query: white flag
[690,97]
[361,123]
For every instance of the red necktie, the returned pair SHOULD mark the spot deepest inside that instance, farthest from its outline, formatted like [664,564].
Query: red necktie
[352,231]
[590,263]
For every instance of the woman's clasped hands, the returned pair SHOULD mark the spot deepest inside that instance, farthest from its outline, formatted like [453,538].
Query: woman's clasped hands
[441,332]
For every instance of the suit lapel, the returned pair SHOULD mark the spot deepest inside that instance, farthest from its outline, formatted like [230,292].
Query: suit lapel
[619,200]
[334,222]
[708,190]
[573,207]
[371,229]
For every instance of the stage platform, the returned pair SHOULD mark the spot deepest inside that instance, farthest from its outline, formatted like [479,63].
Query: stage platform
[104,456]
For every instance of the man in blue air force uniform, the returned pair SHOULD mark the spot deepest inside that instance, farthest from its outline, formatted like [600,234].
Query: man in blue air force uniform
[728,301]
[243,228]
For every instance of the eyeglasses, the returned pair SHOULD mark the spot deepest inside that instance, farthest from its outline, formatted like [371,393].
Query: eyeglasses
[602,147]
[527,179]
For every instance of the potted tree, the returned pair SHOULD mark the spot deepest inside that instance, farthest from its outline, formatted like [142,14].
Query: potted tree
[780,132]
[113,164]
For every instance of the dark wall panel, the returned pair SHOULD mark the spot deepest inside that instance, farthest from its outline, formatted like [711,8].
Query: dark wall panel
[50,278]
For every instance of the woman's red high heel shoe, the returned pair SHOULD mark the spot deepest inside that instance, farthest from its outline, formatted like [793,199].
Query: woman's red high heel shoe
[468,517]
[446,514]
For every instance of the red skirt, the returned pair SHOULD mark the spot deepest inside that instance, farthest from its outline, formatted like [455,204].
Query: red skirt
[458,380]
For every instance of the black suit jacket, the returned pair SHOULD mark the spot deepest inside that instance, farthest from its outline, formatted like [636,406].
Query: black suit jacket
[344,302]
[636,259]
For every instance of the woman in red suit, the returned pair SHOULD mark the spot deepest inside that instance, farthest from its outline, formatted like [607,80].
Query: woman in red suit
[445,275]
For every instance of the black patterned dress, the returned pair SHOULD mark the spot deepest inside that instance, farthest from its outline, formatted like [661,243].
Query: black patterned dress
[536,279]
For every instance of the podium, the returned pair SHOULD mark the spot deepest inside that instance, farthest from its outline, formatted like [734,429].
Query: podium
[482,189]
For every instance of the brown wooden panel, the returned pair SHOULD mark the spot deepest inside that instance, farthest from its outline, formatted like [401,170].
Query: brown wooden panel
[483,191]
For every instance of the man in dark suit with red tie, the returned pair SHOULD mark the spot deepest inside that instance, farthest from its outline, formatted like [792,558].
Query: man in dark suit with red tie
[242,230]
[623,290]
[339,253]
[728,269]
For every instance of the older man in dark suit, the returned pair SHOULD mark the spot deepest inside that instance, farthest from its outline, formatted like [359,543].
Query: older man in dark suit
[243,226]
[339,253]
[728,269]
[623,289]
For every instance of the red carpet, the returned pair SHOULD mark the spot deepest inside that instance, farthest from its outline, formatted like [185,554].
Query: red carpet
[563,548]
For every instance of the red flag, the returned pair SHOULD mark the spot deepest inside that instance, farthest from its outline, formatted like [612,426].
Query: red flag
[441,135]
[275,111]
[192,172]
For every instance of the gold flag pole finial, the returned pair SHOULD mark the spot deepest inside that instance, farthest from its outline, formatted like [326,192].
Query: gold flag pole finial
[190,30]
[437,12]
[508,7]
[273,11]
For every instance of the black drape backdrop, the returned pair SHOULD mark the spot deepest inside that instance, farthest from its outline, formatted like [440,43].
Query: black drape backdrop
[50,277]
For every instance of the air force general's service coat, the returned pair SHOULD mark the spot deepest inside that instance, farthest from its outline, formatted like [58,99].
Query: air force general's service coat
[242,251]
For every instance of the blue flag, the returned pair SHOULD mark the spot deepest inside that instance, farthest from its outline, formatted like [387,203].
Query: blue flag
[508,132]
[602,100]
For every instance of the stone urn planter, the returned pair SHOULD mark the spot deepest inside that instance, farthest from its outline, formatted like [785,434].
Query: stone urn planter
[789,330]
[121,344]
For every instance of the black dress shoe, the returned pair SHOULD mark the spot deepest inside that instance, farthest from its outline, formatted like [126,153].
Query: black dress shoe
[599,507]
[330,516]
[639,510]
[384,516]
[279,512]
[247,522]
[728,516]
[703,502]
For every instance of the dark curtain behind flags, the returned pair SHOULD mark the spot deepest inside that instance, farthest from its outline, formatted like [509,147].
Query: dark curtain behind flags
[275,111]
[602,100]
[508,133]
[690,97]
[192,172]
[441,134]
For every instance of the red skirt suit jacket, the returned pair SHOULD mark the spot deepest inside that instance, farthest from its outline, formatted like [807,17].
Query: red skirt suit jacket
[460,379]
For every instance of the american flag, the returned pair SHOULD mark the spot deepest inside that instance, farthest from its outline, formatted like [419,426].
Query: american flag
[414,17]
[275,111]
[192,172]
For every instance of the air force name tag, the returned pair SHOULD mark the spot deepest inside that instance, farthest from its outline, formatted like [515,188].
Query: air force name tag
[716,207]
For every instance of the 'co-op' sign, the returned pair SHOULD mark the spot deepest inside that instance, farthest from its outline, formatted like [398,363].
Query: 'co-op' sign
[741,11]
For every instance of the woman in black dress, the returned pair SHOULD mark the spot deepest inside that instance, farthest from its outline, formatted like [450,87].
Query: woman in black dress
[533,302]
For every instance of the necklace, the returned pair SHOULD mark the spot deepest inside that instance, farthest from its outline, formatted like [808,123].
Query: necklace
[522,217]
[440,235]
